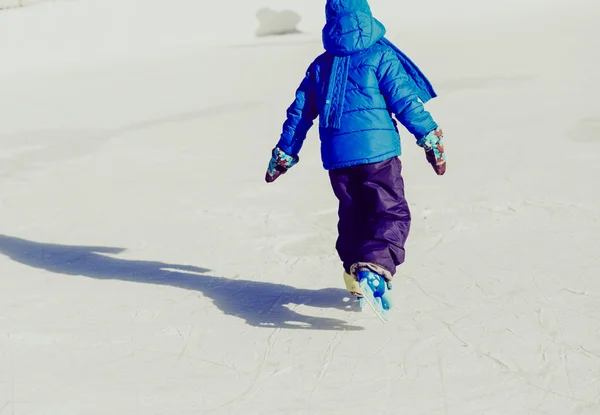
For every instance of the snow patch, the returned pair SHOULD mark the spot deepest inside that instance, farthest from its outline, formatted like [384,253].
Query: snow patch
[276,23]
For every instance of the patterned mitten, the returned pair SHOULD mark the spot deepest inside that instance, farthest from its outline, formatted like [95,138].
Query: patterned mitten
[434,150]
[279,164]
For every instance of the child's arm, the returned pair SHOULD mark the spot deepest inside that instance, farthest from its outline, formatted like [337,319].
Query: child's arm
[300,117]
[397,89]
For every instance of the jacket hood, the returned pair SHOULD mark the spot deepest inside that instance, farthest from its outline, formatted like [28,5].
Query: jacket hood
[350,27]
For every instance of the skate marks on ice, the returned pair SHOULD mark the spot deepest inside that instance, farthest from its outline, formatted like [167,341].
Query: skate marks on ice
[34,149]
[260,304]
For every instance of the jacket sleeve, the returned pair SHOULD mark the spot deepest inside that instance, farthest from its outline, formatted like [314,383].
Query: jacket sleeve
[300,115]
[401,99]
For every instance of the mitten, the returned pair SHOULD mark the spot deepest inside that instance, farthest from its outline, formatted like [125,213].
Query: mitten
[434,150]
[279,164]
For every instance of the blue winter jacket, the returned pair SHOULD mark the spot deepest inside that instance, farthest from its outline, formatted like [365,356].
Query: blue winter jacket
[377,87]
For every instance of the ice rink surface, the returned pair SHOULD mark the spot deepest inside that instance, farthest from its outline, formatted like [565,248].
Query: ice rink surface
[146,268]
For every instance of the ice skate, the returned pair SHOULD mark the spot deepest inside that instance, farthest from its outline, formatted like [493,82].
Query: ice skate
[354,289]
[375,292]
[352,284]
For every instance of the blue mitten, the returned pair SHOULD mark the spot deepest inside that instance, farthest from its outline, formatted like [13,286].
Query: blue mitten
[434,150]
[280,163]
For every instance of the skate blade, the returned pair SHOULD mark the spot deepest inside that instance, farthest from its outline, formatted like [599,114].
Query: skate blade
[369,298]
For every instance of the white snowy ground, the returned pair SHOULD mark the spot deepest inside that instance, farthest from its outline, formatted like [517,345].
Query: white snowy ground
[146,268]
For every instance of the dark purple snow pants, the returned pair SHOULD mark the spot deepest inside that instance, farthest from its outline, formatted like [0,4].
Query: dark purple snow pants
[374,218]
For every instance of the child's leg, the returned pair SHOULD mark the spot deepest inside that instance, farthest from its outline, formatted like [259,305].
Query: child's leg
[387,215]
[347,190]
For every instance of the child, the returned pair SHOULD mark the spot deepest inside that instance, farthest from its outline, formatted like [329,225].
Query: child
[354,88]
